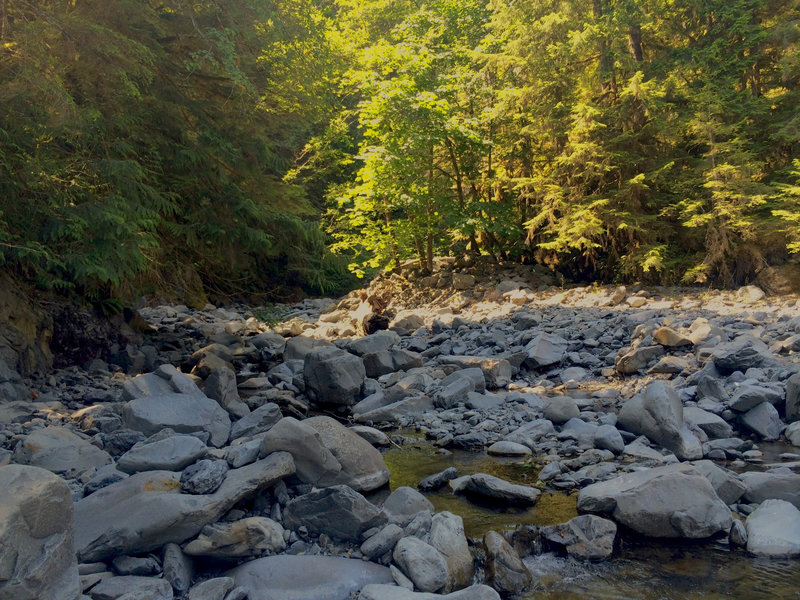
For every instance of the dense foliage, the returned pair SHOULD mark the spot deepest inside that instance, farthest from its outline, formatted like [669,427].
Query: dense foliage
[149,144]
[614,138]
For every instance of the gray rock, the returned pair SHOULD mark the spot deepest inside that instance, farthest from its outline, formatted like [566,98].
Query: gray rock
[374,436]
[489,486]
[140,588]
[608,437]
[472,375]
[59,450]
[221,386]
[204,476]
[764,421]
[726,483]
[506,448]
[260,420]
[382,542]
[171,454]
[657,412]
[773,530]
[147,510]
[184,413]
[531,432]
[307,577]
[165,380]
[792,433]
[239,455]
[36,536]
[560,409]
[587,537]
[670,501]
[382,340]
[211,589]
[422,563]
[741,354]
[638,359]
[247,537]
[447,536]
[496,371]
[544,350]
[391,361]
[362,466]
[437,480]
[333,376]
[411,406]
[713,425]
[765,486]
[404,503]
[748,396]
[177,567]
[737,537]
[793,398]
[136,565]
[314,462]
[505,571]
[375,591]
[337,511]
[666,336]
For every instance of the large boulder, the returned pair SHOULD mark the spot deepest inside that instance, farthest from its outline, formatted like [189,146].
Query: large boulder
[494,488]
[764,421]
[184,413]
[166,379]
[773,530]
[147,510]
[362,466]
[657,412]
[764,486]
[37,560]
[314,462]
[59,450]
[674,501]
[307,577]
[333,376]
[587,537]
[337,511]
[377,591]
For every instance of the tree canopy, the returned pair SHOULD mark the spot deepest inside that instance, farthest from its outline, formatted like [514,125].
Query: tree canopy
[233,145]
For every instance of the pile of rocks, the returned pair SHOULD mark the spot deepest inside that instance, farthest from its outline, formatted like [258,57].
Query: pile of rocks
[210,477]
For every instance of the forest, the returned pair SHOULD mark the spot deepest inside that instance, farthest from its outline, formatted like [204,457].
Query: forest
[273,146]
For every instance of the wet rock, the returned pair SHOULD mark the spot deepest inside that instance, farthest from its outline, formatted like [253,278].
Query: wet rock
[437,480]
[338,511]
[670,501]
[204,477]
[147,510]
[422,563]
[171,454]
[587,537]
[247,537]
[362,466]
[657,412]
[505,571]
[773,530]
[306,577]
[489,486]
[184,413]
[36,536]
[333,376]
[60,451]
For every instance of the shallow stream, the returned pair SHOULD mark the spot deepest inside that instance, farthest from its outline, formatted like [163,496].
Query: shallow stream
[642,569]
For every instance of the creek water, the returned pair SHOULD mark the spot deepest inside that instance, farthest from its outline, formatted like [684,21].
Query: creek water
[642,569]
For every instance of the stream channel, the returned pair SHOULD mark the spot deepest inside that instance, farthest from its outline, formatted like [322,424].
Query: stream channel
[641,569]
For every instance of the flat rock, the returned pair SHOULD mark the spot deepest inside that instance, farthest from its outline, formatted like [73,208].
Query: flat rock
[246,537]
[114,588]
[671,501]
[496,371]
[166,379]
[489,486]
[307,577]
[36,536]
[171,454]
[184,413]
[376,591]
[391,413]
[505,448]
[258,421]
[59,450]
[773,530]
[147,510]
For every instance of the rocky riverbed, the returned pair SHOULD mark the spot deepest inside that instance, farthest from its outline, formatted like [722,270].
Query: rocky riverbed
[239,453]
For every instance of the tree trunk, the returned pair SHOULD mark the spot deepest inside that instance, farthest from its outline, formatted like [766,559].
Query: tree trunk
[635,42]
